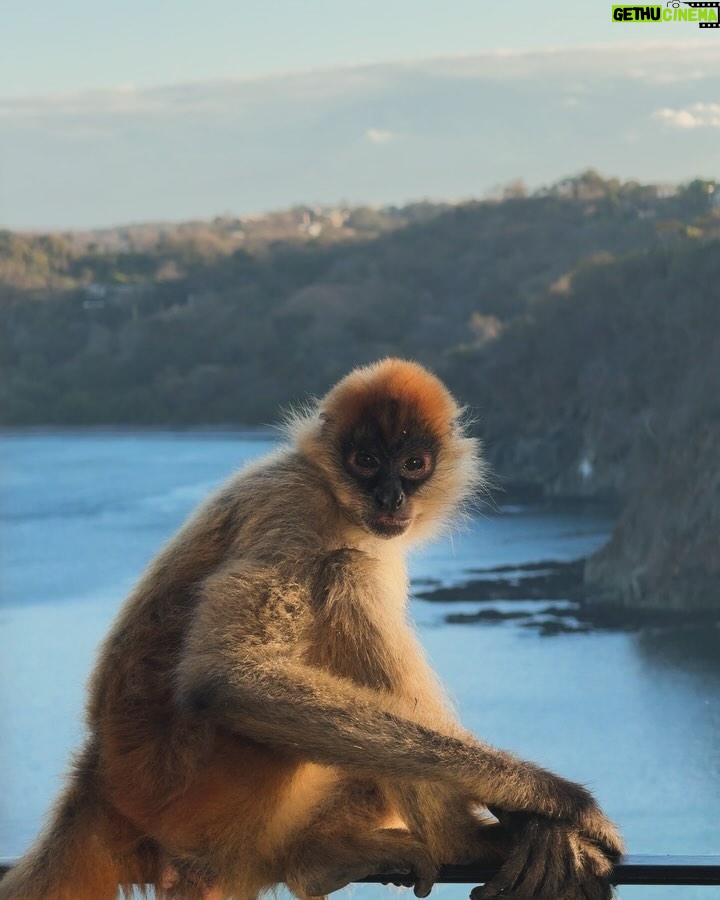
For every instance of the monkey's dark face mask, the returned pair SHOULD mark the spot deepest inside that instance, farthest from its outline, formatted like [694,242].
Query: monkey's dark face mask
[388,474]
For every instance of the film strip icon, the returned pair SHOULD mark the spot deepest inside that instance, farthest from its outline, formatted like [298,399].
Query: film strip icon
[715,4]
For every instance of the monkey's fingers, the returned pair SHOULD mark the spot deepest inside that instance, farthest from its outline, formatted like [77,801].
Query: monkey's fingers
[401,878]
[602,844]
[549,862]
[423,874]
[524,873]
[420,868]
[424,883]
[421,884]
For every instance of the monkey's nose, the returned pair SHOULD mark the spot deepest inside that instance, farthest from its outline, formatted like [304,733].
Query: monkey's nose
[390,496]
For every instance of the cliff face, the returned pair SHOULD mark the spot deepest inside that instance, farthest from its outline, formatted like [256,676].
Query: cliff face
[665,551]
[612,389]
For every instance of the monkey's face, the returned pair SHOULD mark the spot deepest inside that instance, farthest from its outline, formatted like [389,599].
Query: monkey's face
[389,442]
[388,470]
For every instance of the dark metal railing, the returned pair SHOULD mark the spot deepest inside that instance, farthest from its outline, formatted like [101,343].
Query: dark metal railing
[649,870]
[671,870]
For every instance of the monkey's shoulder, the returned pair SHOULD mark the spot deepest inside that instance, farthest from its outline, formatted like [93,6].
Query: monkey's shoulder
[279,503]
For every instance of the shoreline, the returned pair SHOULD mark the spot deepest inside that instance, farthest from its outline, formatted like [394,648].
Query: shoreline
[551,582]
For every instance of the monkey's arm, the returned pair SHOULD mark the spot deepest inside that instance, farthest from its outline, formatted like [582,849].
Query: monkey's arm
[330,720]
[268,695]
[240,667]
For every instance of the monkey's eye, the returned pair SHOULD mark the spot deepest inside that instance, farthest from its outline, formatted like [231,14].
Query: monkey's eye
[416,467]
[363,464]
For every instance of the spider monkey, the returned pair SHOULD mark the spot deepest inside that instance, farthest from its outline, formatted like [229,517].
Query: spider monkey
[261,711]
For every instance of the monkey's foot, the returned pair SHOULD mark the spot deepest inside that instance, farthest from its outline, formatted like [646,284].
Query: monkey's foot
[170,879]
[322,871]
[333,880]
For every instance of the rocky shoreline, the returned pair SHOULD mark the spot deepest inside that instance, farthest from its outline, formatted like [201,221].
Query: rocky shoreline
[561,601]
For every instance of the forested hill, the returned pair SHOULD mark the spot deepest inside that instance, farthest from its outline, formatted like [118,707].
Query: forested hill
[582,325]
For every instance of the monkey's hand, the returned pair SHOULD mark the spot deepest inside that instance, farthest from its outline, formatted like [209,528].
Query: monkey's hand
[555,860]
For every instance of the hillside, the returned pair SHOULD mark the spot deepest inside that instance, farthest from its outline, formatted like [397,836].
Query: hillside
[610,389]
[224,321]
[581,325]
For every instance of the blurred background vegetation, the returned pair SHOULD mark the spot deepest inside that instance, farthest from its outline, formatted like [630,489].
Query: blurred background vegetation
[580,323]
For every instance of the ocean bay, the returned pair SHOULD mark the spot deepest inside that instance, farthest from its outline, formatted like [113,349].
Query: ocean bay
[635,715]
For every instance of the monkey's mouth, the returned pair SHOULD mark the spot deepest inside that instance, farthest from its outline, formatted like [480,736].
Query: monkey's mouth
[387,525]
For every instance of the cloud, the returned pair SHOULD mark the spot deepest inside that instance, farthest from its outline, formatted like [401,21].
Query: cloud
[380,135]
[119,99]
[188,150]
[240,97]
[697,115]
[668,76]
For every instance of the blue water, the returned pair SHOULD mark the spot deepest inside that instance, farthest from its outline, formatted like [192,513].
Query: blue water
[634,716]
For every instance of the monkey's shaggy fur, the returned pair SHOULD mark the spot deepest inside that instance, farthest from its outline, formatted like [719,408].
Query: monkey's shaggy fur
[262,712]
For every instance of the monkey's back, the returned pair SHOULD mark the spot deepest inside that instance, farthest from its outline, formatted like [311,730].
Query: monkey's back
[169,771]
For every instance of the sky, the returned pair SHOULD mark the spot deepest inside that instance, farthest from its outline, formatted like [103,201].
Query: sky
[76,45]
[153,110]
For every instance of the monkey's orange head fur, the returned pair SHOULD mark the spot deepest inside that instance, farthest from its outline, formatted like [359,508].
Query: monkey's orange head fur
[389,439]
[395,393]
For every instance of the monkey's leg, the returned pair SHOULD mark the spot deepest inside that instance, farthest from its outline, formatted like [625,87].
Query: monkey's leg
[347,841]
